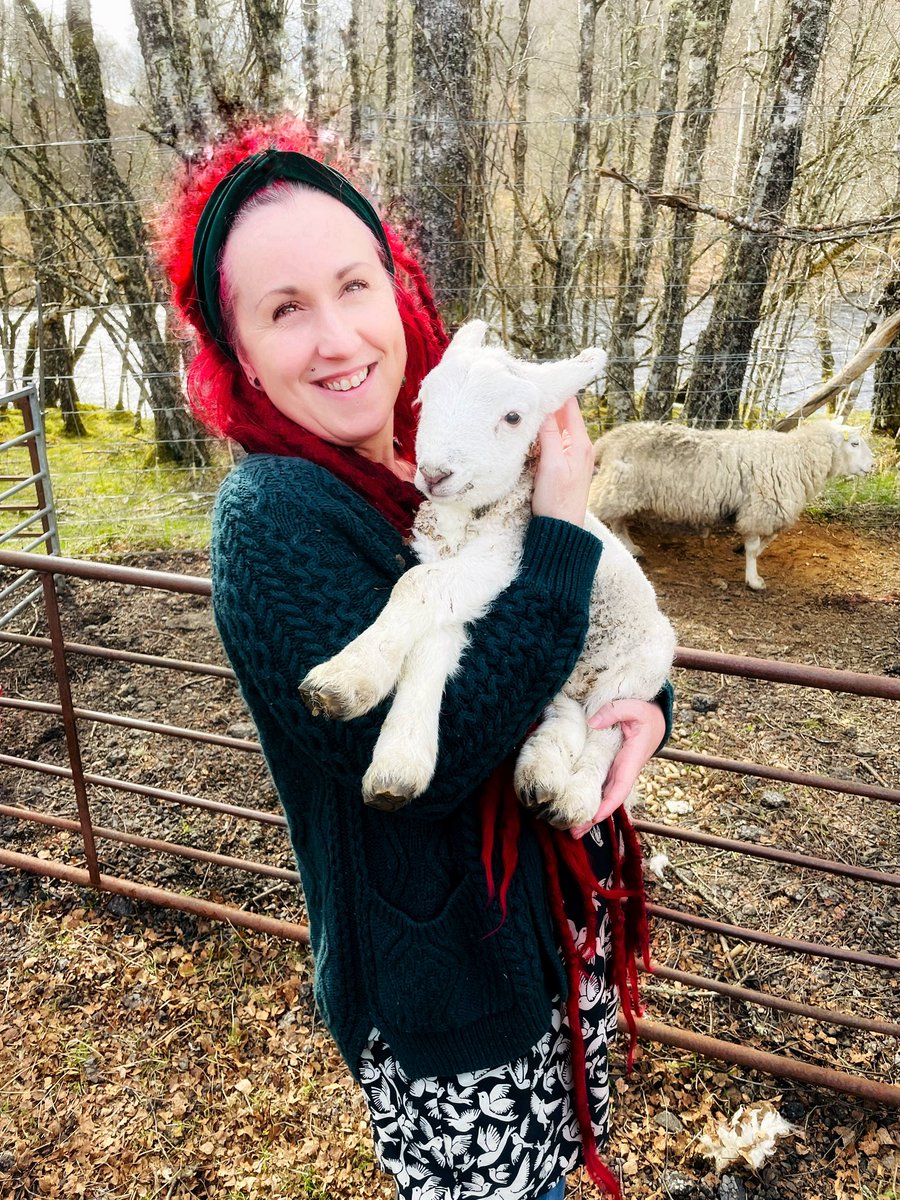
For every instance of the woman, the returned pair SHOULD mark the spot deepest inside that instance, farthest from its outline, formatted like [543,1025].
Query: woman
[443,990]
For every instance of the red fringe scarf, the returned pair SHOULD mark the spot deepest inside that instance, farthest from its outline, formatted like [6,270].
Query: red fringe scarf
[625,903]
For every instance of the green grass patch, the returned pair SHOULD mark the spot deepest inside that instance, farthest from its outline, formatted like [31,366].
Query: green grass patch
[111,493]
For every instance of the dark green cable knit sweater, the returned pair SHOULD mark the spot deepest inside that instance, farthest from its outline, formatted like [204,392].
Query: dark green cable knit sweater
[402,932]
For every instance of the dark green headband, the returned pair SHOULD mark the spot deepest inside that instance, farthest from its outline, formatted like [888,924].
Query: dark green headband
[230,195]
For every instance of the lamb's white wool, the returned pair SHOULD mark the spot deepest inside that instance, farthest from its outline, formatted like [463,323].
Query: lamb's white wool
[759,480]
[749,1136]
[481,410]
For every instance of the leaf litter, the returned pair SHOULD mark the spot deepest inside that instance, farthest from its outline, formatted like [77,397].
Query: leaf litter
[148,1055]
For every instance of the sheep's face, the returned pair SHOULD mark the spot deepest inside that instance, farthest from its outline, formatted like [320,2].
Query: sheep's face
[480,413]
[852,455]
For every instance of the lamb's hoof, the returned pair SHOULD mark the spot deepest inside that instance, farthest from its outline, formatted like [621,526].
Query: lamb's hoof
[386,799]
[757,585]
[541,805]
[323,702]
[340,702]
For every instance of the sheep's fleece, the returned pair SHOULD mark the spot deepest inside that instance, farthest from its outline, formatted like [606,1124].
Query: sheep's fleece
[759,480]
[481,410]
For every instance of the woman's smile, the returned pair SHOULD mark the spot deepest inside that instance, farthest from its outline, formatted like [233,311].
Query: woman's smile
[347,383]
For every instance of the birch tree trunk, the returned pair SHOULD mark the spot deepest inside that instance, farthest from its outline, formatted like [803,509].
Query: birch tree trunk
[309,58]
[40,212]
[520,134]
[181,109]
[622,362]
[886,374]
[441,191]
[723,349]
[572,233]
[222,101]
[707,21]
[353,51]
[390,156]
[265,22]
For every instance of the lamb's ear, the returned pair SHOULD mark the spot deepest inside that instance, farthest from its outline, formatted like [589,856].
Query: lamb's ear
[469,336]
[556,381]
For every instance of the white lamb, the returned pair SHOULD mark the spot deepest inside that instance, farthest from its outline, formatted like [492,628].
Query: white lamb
[759,480]
[480,413]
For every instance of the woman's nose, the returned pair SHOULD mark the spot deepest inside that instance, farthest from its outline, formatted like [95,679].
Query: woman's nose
[336,337]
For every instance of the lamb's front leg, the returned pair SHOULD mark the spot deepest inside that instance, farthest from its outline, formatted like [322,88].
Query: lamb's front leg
[429,596]
[405,754]
[358,677]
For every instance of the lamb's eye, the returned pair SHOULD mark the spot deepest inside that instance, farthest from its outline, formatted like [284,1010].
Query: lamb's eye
[513,418]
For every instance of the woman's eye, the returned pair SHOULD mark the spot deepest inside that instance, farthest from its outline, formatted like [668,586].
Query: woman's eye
[356,285]
[512,418]
[285,309]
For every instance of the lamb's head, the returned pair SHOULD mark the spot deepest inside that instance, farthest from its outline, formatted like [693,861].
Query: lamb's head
[480,413]
[851,454]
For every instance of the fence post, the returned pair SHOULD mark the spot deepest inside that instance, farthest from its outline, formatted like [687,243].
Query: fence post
[70,724]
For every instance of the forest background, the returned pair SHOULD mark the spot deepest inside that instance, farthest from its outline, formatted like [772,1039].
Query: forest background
[709,188]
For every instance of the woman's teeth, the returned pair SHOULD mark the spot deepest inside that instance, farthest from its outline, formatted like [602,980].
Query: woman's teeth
[350,381]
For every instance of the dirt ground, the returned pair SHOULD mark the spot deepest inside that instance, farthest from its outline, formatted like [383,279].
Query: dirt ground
[145,1054]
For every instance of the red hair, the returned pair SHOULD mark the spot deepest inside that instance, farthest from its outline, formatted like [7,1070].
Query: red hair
[219,393]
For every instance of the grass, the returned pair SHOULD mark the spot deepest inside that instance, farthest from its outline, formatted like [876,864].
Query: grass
[113,497]
[111,494]
[868,501]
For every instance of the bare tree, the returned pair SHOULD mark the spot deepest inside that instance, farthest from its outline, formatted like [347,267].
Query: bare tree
[571,234]
[886,376]
[635,260]
[706,26]
[714,388]
[265,23]
[310,60]
[441,192]
[180,97]
[57,365]
[115,214]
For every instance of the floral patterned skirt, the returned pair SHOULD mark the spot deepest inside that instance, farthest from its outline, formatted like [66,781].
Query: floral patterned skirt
[510,1132]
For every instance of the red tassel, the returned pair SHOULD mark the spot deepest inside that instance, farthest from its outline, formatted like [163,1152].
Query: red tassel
[595,1166]
[629,929]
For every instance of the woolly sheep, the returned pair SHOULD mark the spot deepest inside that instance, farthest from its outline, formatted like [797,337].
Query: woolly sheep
[480,413]
[759,480]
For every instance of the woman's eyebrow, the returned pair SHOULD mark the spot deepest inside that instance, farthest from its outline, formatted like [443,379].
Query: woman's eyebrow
[355,266]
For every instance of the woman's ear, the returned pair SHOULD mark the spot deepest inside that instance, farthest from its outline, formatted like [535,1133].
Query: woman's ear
[247,368]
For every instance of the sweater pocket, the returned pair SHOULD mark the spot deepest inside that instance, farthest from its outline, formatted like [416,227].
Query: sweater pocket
[441,974]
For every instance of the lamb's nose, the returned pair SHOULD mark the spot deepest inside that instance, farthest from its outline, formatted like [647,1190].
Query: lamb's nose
[434,475]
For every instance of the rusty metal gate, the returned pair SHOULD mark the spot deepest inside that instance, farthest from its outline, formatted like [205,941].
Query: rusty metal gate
[90,875]
[26,500]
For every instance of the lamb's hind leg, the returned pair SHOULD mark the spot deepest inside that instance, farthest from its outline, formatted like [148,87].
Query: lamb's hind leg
[577,801]
[405,754]
[547,757]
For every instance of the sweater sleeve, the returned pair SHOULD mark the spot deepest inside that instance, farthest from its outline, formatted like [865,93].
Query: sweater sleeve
[292,586]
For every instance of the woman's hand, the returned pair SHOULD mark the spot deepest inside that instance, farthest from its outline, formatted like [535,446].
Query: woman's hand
[563,476]
[643,727]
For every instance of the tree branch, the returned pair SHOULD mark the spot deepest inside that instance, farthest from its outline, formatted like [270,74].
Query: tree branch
[881,338]
[811,234]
